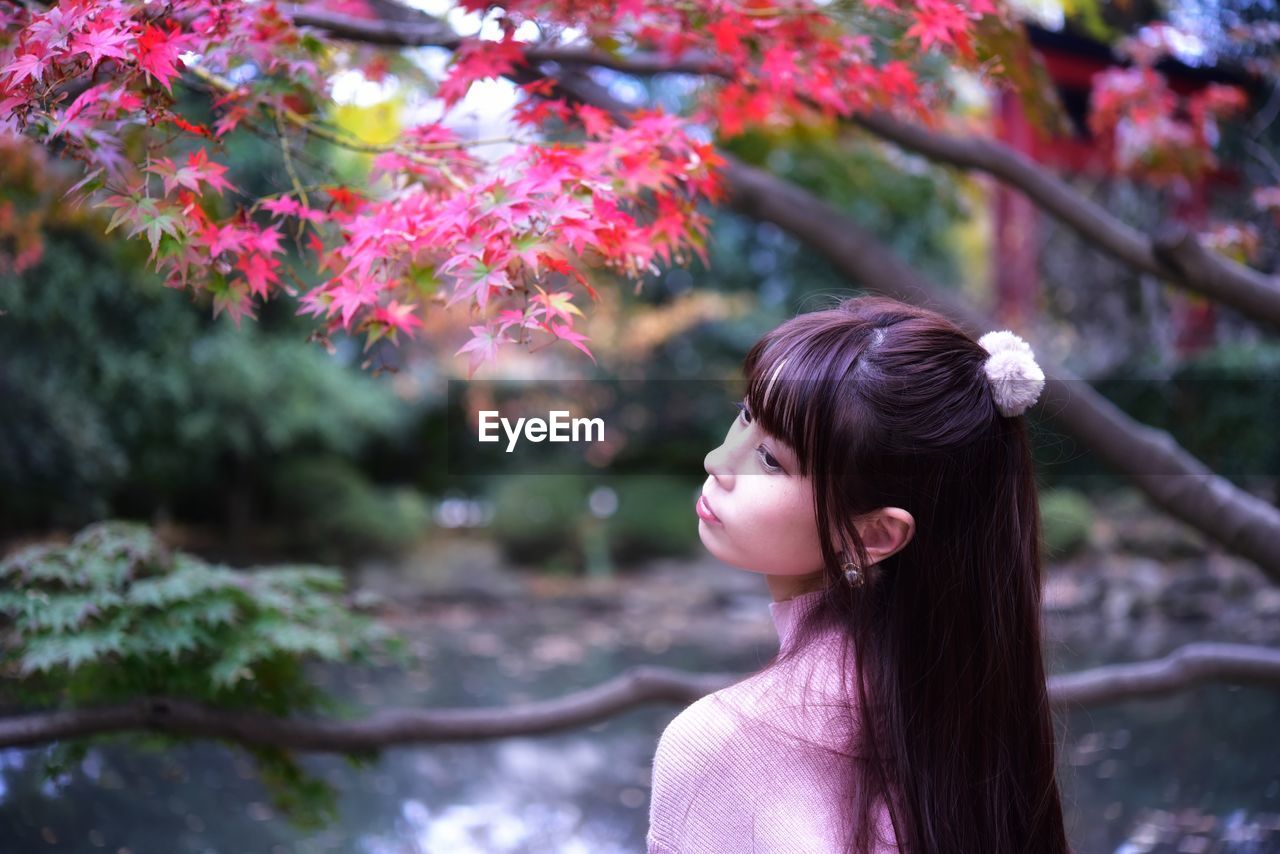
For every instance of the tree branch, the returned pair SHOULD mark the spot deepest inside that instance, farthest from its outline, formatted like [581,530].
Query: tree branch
[424,31]
[1185,667]
[1179,670]
[1174,254]
[419,30]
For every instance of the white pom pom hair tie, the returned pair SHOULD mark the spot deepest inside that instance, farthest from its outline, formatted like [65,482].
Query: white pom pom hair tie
[1016,380]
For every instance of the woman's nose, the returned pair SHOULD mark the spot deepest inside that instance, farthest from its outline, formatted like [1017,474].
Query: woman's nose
[716,461]
[720,462]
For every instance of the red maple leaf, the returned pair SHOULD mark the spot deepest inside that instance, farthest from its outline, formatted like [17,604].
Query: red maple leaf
[347,200]
[199,130]
[476,60]
[939,21]
[259,272]
[158,53]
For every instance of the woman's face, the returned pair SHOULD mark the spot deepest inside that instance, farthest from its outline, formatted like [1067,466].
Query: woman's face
[764,519]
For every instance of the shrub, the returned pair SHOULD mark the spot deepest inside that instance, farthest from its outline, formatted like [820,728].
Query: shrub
[654,518]
[114,616]
[536,518]
[1067,519]
[334,514]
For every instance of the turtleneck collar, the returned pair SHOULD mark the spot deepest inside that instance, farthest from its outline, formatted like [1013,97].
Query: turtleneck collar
[786,614]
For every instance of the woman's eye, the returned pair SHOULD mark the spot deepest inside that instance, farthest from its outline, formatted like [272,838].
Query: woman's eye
[745,413]
[767,458]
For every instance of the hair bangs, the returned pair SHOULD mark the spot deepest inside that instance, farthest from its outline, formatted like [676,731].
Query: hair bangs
[790,378]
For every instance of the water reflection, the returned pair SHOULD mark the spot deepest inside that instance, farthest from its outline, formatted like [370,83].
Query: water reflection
[1197,771]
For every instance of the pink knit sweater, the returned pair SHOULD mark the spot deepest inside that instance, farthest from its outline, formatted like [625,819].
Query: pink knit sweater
[742,769]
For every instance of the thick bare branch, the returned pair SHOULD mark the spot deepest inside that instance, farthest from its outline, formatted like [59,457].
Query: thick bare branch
[1174,255]
[1181,669]
[424,31]
[634,687]
[418,30]
[1192,664]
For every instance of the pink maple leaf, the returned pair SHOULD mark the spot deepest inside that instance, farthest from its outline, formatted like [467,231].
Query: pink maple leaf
[102,40]
[938,21]
[566,333]
[594,120]
[398,317]
[28,65]
[199,168]
[283,206]
[557,304]
[351,296]
[483,347]
[265,240]
[477,60]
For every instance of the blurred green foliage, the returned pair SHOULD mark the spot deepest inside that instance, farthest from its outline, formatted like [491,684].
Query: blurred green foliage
[909,203]
[332,512]
[543,520]
[536,517]
[114,616]
[124,397]
[1067,518]
[1225,408]
[654,518]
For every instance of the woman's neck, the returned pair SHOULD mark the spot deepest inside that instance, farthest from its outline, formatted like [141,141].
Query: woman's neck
[784,587]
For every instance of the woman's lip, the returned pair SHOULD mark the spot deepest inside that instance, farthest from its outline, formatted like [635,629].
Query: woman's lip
[704,511]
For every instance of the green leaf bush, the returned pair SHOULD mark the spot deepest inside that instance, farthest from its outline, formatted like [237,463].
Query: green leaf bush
[122,397]
[536,518]
[115,615]
[655,518]
[1066,517]
[335,514]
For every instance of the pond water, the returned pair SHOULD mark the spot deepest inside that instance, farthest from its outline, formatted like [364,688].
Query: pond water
[1194,772]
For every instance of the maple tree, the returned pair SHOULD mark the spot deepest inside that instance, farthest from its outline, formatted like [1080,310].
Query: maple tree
[514,241]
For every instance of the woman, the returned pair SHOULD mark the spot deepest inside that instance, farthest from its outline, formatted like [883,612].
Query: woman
[880,478]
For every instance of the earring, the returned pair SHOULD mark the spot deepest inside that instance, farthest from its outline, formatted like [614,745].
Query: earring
[853,574]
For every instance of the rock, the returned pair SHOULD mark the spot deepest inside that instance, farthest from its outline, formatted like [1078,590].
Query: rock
[445,570]
[1069,592]
[1159,537]
[1266,602]
[1237,579]
[1195,597]
[1120,604]
[1133,587]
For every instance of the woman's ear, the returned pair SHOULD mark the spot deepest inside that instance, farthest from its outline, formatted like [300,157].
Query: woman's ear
[886,531]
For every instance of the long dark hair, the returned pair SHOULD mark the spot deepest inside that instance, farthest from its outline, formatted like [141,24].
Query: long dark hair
[886,405]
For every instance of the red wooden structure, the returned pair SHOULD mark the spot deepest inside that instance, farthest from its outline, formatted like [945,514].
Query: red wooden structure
[1071,62]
